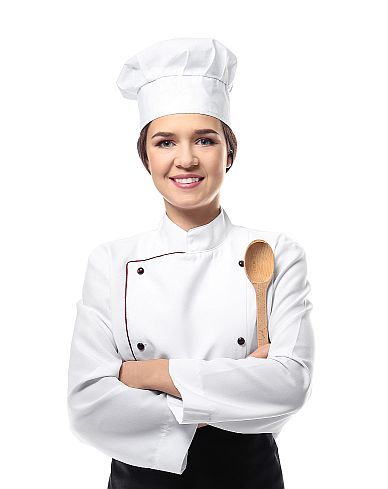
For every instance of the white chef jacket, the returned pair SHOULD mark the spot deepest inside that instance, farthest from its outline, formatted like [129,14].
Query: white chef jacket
[185,296]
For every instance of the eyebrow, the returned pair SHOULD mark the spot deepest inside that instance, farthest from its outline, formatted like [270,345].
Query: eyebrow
[198,131]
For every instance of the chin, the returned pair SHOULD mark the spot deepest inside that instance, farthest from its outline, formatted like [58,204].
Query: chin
[184,205]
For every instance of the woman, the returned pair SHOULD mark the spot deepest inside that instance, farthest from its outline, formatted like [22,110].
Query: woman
[165,338]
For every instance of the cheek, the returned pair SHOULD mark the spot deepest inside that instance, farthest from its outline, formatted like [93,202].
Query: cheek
[215,167]
[157,160]
[217,156]
[152,154]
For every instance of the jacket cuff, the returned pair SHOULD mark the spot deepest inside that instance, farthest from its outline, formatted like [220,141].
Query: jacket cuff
[185,374]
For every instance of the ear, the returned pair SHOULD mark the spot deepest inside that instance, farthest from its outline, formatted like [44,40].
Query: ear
[229,161]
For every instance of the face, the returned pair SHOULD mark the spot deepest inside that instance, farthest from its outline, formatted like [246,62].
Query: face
[184,144]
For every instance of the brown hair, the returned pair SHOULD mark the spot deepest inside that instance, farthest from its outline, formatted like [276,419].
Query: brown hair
[231,143]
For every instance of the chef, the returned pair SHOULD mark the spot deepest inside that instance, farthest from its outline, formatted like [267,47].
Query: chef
[165,375]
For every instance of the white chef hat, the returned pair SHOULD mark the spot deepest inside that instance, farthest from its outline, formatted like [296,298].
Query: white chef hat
[181,75]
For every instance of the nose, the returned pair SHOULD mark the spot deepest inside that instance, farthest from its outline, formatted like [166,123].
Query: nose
[186,157]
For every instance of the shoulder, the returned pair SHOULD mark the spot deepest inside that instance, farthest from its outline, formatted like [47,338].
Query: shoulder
[126,246]
[285,242]
[278,240]
[288,252]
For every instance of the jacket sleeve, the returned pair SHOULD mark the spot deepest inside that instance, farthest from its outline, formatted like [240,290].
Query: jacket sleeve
[132,425]
[256,394]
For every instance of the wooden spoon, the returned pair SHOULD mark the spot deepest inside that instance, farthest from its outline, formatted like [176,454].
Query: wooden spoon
[259,264]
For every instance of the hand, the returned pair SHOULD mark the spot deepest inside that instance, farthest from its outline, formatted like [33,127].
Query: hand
[136,373]
[149,375]
[201,425]
[261,352]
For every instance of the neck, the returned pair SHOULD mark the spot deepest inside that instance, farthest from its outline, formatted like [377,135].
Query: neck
[192,217]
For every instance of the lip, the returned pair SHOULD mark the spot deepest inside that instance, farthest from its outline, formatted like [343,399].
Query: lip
[187,186]
[187,175]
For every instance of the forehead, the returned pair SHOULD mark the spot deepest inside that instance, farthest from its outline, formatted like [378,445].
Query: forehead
[185,122]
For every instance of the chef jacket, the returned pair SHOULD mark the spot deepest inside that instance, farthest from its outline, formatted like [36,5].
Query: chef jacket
[185,296]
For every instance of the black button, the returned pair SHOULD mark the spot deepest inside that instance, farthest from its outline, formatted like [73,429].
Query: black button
[241,340]
[140,346]
[241,263]
[140,270]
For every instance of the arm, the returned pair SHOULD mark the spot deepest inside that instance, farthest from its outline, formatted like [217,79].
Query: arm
[148,374]
[155,375]
[260,392]
[131,425]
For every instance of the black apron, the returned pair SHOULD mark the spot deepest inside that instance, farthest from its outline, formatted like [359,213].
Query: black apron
[216,459]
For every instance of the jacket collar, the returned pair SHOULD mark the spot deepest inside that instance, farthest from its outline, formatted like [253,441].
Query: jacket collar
[199,238]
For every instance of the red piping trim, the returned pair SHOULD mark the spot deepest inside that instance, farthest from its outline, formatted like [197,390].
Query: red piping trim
[125,293]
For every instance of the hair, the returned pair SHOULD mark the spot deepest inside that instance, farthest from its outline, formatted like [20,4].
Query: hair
[231,143]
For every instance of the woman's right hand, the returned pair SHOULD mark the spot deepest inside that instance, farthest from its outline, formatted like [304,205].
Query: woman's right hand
[261,352]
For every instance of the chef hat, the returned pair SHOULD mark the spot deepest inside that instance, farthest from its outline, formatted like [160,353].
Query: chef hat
[181,75]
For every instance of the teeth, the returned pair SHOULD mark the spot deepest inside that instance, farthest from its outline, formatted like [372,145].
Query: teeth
[186,180]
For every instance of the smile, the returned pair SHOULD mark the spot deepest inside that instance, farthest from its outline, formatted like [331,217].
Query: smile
[186,182]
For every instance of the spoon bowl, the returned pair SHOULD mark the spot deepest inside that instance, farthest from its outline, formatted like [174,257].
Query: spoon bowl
[259,262]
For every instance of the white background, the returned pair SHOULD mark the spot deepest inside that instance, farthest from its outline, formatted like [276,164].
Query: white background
[309,109]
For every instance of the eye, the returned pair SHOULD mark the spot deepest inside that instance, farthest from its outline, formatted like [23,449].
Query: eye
[207,139]
[164,141]
[161,144]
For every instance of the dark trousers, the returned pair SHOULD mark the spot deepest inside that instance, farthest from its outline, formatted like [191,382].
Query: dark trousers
[216,459]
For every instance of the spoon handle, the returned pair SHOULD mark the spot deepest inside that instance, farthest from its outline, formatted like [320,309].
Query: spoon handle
[261,302]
